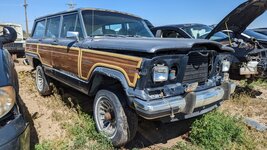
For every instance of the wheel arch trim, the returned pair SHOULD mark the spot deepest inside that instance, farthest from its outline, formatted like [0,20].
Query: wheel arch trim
[111,73]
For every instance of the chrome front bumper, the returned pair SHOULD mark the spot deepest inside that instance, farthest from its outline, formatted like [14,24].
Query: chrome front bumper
[182,104]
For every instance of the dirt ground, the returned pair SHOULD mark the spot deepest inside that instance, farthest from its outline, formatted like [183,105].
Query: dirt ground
[46,115]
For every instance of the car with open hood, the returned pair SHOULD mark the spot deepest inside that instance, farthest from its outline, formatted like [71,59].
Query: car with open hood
[261,30]
[14,130]
[249,59]
[250,35]
[114,58]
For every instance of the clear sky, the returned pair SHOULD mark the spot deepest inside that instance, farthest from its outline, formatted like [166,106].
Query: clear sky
[159,12]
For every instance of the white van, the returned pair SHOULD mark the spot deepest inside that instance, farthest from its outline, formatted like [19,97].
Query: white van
[16,48]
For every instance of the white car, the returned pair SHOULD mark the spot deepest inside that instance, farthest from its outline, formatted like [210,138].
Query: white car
[16,48]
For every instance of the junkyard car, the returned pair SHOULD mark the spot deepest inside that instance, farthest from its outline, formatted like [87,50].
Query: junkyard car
[249,59]
[113,57]
[250,35]
[14,131]
[18,46]
[261,30]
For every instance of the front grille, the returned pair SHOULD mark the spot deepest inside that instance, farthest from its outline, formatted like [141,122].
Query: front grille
[197,68]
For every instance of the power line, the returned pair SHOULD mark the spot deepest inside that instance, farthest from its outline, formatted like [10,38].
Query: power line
[26,17]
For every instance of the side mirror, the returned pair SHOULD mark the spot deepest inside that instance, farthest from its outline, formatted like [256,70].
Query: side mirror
[73,35]
[9,35]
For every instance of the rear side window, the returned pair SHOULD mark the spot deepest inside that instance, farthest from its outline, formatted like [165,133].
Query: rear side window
[68,24]
[52,29]
[39,30]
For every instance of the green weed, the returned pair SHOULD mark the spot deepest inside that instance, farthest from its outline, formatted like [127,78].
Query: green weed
[218,131]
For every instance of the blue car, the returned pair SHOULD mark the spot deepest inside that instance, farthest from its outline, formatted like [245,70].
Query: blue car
[14,130]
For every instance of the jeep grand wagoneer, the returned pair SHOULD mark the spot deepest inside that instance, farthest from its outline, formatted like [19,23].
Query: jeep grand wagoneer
[114,57]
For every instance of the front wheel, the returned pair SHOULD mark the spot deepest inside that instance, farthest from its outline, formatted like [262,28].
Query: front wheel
[113,119]
[42,82]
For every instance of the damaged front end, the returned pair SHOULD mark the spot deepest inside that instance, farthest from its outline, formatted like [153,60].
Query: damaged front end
[256,65]
[183,85]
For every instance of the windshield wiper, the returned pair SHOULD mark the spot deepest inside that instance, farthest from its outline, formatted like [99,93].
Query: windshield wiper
[110,35]
[116,35]
[138,36]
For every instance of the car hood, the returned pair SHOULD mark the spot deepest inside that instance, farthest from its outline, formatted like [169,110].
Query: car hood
[150,45]
[241,17]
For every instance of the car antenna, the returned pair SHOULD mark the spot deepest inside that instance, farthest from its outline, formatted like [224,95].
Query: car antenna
[71,5]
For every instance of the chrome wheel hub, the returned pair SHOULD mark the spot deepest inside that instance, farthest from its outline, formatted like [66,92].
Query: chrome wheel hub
[39,80]
[105,117]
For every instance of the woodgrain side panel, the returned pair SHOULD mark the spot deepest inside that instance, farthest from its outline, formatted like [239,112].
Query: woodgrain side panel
[82,62]
[129,66]
[45,54]
[31,48]
[66,59]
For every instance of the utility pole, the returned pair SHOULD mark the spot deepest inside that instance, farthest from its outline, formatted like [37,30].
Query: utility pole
[26,17]
[71,5]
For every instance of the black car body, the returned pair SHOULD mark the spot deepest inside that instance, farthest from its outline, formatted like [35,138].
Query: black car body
[149,24]
[113,54]
[14,130]
[261,30]
[249,59]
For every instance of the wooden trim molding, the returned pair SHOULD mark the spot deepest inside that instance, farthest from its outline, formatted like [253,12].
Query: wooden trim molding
[87,60]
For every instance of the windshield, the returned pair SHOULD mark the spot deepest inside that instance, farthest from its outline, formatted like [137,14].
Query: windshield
[102,23]
[256,35]
[201,32]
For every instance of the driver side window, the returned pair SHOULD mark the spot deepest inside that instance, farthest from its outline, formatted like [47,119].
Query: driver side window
[68,24]
[71,22]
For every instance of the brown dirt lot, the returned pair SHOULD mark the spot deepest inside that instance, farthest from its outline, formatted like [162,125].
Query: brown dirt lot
[49,115]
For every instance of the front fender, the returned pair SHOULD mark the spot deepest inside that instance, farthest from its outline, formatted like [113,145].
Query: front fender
[8,75]
[111,73]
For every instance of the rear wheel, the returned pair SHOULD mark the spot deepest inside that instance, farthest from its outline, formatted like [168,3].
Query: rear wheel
[42,82]
[113,119]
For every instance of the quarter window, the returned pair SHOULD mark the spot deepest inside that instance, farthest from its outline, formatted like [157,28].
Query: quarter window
[39,30]
[52,29]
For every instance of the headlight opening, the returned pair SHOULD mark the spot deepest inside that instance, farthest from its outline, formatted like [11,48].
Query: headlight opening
[226,65]
[160,73]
